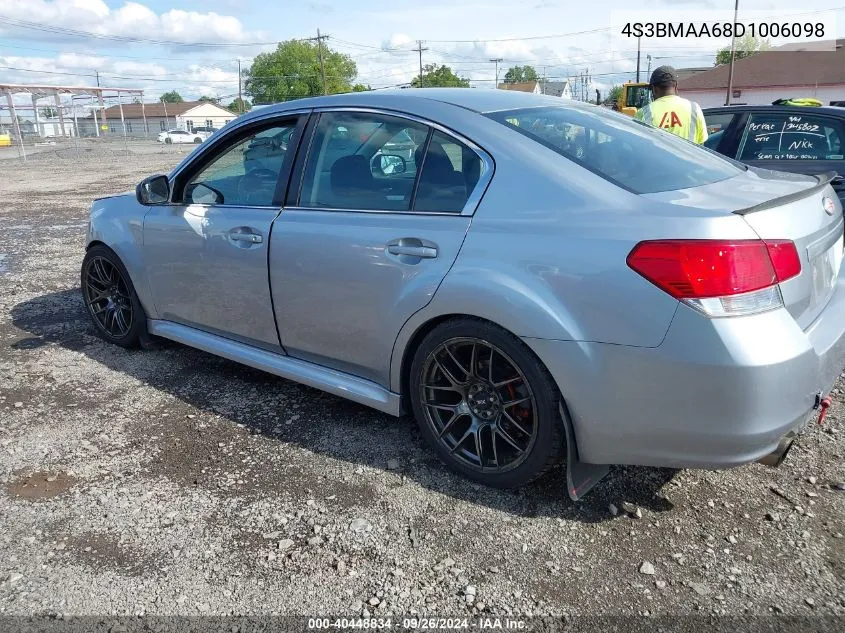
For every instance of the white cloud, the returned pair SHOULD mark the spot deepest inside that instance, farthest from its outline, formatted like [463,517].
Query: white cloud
[133,19]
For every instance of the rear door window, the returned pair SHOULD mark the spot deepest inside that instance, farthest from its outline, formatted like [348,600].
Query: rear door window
[791,136]
[362,161]
[628,153]
[450,172]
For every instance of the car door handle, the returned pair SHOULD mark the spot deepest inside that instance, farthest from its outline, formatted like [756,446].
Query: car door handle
[252,238]
[426,252]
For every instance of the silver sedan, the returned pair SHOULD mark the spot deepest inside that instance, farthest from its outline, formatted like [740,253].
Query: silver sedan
[534,280]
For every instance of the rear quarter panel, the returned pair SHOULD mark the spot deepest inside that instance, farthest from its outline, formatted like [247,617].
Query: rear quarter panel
[545,255]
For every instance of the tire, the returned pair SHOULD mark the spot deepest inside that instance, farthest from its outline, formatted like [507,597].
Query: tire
[168,140]
[515,449]
[110,298]
[197,140]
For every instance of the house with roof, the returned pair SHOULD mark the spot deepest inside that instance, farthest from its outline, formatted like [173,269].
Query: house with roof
[148,119]
[556,89]
[522,86]
[790,71]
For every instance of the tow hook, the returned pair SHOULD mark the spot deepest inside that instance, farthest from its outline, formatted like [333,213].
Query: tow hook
[823,404]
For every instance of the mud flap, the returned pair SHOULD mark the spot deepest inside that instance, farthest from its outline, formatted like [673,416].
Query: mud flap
[580,476]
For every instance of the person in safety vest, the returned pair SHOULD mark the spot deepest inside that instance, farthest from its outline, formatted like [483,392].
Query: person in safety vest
[670,112]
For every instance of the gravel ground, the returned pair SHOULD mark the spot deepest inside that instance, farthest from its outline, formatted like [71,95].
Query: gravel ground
[170,481]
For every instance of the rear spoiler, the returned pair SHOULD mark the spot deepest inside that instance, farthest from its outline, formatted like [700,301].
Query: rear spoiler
[823,181]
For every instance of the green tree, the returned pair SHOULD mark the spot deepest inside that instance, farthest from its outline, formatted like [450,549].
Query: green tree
[518,74]
[439,77]
[49,112]
[240,105]
[613,95]
[361,88]
[171,97]
[746,46]
[209,99]
[293,70]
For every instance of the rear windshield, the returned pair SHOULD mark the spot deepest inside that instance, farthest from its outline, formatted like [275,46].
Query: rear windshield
[633,155]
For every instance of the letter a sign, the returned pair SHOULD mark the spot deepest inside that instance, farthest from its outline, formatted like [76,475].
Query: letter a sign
[670,119]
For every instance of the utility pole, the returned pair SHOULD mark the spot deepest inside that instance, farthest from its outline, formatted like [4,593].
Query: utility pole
[322,65]
[729,92]
[638,59]
[496,61]
[319,40]
[240,94]
[648,72]
[419,49]
[97,72]
[544,80]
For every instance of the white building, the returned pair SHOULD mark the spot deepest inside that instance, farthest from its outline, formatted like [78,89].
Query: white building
[781,73]
[149,119]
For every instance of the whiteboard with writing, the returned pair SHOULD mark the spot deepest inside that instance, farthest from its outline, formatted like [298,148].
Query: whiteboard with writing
[794,138]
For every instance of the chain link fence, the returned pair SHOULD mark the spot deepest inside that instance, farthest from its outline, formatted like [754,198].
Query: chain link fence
[82,149]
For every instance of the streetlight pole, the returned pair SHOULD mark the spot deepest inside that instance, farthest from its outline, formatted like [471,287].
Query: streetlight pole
[496,61]
[638,59]
[733,54]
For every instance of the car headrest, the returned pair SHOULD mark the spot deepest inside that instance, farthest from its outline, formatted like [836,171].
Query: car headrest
[351,172]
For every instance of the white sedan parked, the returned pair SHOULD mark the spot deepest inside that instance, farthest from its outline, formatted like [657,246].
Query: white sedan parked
[179,136]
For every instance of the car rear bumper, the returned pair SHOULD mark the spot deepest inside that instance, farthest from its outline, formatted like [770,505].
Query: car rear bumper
[715,393]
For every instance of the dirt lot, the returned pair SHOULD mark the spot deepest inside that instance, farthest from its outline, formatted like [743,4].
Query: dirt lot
[172,482]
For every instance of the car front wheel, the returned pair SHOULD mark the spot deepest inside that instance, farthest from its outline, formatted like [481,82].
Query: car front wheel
[168,140]
[486,404]
[110,298]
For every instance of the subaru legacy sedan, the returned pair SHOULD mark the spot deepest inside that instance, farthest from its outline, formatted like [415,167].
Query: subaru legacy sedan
[542,280]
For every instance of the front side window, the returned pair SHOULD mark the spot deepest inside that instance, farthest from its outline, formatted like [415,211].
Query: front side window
[243,174]
[630,154]
[791,136]
[362,161]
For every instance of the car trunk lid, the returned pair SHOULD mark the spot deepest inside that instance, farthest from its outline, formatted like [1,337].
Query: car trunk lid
[812,218]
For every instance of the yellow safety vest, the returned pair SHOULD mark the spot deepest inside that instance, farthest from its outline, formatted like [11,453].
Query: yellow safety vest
[677,115]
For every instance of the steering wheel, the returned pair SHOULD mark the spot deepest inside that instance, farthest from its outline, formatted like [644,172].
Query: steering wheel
[255,183]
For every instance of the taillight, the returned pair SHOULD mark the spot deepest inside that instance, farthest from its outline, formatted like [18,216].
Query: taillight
[719,277]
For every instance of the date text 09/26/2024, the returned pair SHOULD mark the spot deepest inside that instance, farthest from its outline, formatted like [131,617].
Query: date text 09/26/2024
[418,623]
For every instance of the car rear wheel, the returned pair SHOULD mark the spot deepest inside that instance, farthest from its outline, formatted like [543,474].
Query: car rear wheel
[168,140]
[110,298]
[486,404]
[197,139]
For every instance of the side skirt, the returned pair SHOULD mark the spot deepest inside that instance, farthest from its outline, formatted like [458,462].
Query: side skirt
[330,380]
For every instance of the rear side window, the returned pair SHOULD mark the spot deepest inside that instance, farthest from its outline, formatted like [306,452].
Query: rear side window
[791,136]
[450,171]
[630,154]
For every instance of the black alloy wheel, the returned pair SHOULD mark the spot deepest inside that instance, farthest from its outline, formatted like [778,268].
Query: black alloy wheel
[110,298]
[486,404]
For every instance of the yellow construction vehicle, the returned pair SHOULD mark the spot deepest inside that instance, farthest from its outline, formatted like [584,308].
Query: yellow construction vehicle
[632,97]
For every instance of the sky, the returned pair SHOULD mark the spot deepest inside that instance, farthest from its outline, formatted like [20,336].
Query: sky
[193,46]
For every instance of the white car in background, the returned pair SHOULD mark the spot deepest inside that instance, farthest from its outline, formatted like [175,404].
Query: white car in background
[180,136]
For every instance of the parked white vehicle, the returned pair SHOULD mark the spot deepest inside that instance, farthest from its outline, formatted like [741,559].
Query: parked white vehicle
[179,136]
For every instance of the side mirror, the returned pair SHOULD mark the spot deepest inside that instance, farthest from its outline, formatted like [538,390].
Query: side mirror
[388,164]
[153,190]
